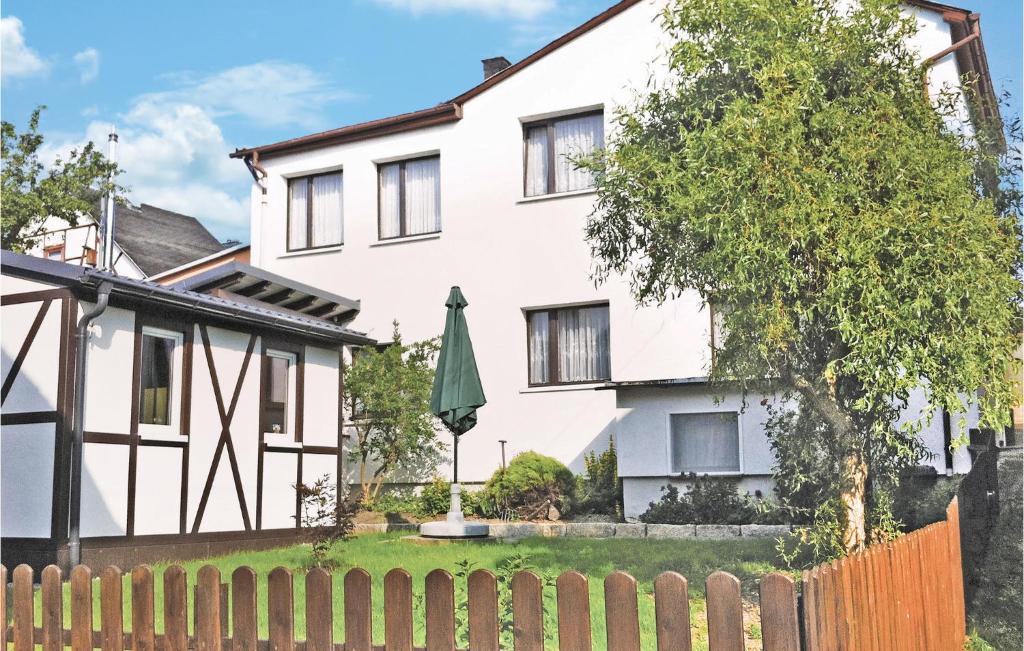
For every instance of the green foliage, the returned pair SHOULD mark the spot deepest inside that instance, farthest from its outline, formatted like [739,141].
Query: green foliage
[709,500]
[599,489]
[790,171]
[531,486]
[30,192]
[395,430]
[436,499]
[328,518]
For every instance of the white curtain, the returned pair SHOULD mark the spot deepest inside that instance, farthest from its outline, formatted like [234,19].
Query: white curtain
[536,161]
[538,348]
[574,138]
[389,209]
[705,442]
[583,344]
[327,216]
[423,196]
[297,203]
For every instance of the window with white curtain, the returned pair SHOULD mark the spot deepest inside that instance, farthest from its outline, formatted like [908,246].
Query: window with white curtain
[409,197]
[552,146]
[315,216]
[705,442]
[567,345]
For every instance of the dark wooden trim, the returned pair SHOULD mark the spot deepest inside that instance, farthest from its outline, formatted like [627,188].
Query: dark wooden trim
[549,123]
[552,351]
[34,296]
[186,421]
[319,449]
[947,439]
[309,212]
[133,451]
[19,359]
[253,289]
[28,417]
[321,310]
[115,438]
[403,227]
[278,296]
[225,437]
[62,432]
[339,478]
[300,303]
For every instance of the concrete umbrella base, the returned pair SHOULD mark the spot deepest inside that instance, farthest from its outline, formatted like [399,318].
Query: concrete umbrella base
[454,526]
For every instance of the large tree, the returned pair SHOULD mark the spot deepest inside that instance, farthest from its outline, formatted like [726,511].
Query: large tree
[791,170]
[30,191]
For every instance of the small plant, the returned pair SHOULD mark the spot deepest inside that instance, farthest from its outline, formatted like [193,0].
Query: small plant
[710,500]
[533,486]
[599,489]
[327,518]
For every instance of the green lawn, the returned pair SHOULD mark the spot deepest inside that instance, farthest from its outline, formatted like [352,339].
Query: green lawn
[644,559]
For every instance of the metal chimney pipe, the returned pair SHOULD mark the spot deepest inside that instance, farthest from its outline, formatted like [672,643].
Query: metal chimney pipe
[107,223]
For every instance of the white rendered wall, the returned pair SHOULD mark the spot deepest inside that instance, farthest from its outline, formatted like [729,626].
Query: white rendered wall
[26,480]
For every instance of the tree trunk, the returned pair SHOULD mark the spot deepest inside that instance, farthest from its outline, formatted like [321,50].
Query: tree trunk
[852,495]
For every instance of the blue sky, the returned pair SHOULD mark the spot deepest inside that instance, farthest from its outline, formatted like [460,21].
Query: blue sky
[187,82]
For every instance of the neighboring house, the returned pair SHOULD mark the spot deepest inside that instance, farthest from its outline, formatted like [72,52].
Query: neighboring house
[202,410]
[147,241]
[477,192]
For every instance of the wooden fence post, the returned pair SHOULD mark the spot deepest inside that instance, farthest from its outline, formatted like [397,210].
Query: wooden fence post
[956,561]
[143,631]
[24,610]
[244,631]
[319,611]
[573,597]
[81,608]
[281,610]
[439,591]
[398,610]
[175,609]
[52,598]
[111,605]
[208,636]
[725,612]
[672,612]
[780,628]
[810,615]
[482,587]
[622,622]
[358,611]
[527,612]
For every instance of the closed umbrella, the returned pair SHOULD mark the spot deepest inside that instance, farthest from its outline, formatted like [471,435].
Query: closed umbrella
[456,395]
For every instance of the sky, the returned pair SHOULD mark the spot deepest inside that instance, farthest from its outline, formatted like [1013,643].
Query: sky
[188,82]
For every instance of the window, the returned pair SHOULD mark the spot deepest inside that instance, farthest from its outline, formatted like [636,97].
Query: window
[705,443]
[409,197]
[278,401]
[567,345]
[55,252]
[314,211]
[550,147]
[159,390]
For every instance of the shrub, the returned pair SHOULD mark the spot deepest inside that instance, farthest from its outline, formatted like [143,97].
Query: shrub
[921,499]
[328,518]
[533,486]
[436,499]
[394,501]
[599,489]
[710,500]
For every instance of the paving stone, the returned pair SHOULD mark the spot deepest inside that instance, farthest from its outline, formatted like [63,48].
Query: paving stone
[764,530]
[630,530]
[718,530]
[671,531]
[590,530]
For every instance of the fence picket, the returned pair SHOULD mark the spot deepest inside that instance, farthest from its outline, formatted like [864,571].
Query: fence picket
[573,599]
[24,611]
[358,611]
[725,612]
[483,611]
[111,604]
[208,609]
[319,612]
[81,608]
[780,629]
[3,607]
[398,610]
[175,609]
[439,590]
[52,598]
[672,612]
[527,612]
[620,612]
[281,610]
[143,631]
[244,632]
[810,615]
[956,563]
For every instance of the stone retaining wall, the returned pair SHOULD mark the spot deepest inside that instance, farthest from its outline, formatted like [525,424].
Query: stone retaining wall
[516,530]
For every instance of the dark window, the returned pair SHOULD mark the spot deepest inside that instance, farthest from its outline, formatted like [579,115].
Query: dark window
[549,150]
[277,392]
[567,345]
[705,442]
[156,391]
[409,197]
[315,218]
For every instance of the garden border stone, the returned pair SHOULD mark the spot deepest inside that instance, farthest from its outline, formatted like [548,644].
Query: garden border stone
[633,530]
[718,531]
[764,530]
[671,531]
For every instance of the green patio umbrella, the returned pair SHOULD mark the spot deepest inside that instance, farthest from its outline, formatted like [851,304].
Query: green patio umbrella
[457,392]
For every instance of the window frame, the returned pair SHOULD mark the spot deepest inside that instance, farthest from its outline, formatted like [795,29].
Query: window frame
[670,448]
[178,377]
[549,123]
[308,178]
[402,227]
[47,250]
[552,353]
[293,429]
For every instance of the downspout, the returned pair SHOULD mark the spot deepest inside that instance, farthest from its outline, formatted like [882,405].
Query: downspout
[78,434]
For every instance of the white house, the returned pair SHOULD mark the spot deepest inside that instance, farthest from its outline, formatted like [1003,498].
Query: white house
[475,192]
[197,412]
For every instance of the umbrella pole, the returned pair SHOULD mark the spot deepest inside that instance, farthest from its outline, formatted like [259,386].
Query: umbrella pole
[455,464]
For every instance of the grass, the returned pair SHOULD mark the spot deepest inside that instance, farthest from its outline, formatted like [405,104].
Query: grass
[747,559]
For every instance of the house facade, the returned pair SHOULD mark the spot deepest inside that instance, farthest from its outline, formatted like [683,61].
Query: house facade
[200,411]
[477,192]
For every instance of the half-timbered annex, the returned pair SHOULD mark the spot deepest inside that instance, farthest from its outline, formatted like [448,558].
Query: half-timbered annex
[197,413]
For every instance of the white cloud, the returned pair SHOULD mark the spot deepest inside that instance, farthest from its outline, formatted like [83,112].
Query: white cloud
[519,9]
[88,62]
[16,58]
[90,111]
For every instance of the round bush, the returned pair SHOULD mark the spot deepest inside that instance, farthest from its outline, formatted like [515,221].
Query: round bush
[532,486]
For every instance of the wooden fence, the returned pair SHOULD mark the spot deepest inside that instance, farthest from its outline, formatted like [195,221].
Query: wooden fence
[907,594]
